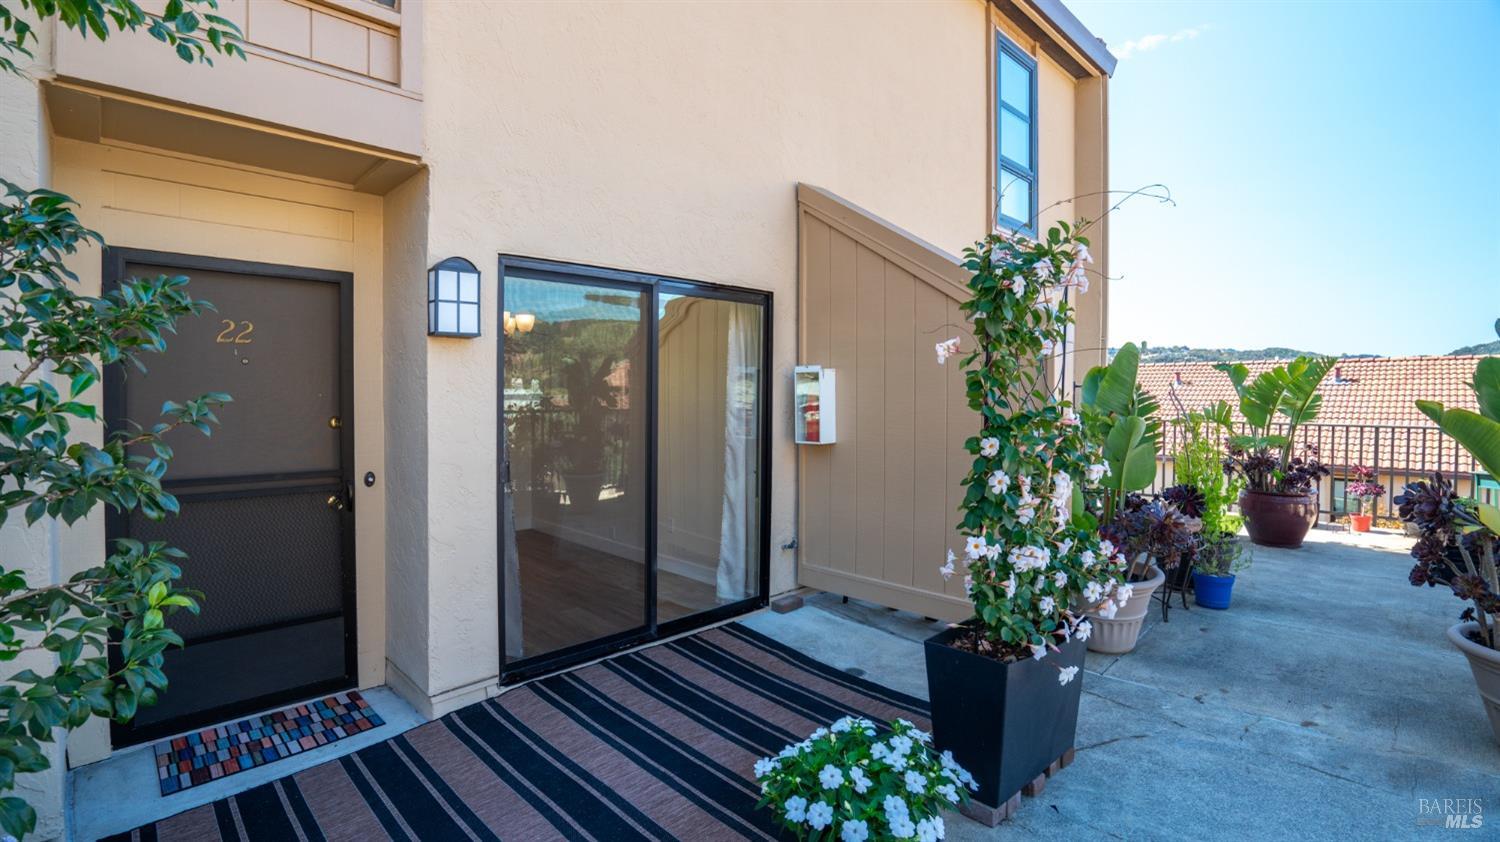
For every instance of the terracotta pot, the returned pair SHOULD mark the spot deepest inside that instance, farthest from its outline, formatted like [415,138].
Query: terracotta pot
[1484,662]
[1278,520]
[1360,523]
[1117,635]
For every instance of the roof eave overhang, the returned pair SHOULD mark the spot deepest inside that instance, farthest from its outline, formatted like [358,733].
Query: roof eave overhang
[1062,36]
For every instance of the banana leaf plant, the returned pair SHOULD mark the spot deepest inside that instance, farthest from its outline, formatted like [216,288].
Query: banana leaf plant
[1477,432]
[1124,416]
[1285,395]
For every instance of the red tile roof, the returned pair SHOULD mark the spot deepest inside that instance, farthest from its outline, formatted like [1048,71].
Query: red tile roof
[1362,392]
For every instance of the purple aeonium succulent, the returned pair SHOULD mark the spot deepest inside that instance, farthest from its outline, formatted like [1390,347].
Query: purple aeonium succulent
[1430,505]
[1187,498]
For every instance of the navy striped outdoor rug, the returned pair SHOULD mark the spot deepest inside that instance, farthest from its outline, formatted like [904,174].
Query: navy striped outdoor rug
[654,744]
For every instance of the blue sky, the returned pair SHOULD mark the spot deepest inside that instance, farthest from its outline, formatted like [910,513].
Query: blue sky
[1336,167]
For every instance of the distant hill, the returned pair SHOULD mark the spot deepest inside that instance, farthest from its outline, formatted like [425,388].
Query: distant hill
[1184,354]
[1477,350]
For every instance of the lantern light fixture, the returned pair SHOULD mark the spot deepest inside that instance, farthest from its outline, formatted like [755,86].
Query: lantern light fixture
[453,299]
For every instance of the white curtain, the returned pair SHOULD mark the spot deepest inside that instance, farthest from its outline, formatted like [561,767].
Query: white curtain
[739,510]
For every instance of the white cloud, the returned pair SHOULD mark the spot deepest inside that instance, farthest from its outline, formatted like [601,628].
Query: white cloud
[1147,43]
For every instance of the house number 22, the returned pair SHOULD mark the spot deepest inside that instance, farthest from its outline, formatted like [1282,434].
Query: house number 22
[228,336]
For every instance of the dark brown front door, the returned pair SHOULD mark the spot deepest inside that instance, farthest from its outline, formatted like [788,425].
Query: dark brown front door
[266,502]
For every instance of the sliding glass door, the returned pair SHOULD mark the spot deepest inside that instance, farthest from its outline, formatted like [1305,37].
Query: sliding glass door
[633,445]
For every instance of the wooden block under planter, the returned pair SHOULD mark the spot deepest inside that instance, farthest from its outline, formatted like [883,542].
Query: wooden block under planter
[991,816]
[1036,786]
[787,604]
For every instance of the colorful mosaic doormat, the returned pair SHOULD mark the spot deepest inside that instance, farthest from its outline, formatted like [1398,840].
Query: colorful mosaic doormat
[212,753]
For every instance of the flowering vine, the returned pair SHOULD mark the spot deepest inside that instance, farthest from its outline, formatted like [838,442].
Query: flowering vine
[1035,561]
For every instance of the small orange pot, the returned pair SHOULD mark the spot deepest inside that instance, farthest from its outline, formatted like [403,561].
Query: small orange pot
[1360,523]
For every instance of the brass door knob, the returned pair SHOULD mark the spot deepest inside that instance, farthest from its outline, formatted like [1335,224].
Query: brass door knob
[336,502]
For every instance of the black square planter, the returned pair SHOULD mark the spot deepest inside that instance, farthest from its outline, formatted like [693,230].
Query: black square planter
[1005,723]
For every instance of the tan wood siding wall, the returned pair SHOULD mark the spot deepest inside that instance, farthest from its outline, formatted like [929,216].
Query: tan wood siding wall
[878,508]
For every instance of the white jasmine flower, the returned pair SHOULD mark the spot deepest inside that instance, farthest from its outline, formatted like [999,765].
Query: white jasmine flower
[974,546]
[1010,586]
[947,570]
[765,766]
[831,777]
[1087,559]
[1107,609]
[1097,472]
[1081,253]
[916,782]
[1044,269]
[993,551]
[1070,418]
[968,585]
[854,830]
[999,482]
[1018,286]
[1047,604]
[1093,592]
[1049,347]
[795,808]
[1123,594]
[820,815]
[1066,675]
[1025,515]
[1029,558]
[1060,579]
[859,780]
[1083,630]
[1038,652]
[947,348]
[989,447]
[1106,548]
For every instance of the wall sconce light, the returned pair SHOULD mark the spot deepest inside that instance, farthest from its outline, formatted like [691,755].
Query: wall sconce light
[519,323]
[453,299]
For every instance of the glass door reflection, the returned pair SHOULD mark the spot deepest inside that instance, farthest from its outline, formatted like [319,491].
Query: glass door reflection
[576,427]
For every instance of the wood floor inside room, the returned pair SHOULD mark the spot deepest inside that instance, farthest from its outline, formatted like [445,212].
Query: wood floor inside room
[572,594]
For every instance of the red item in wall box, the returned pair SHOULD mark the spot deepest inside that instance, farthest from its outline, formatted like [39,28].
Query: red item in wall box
[811,426]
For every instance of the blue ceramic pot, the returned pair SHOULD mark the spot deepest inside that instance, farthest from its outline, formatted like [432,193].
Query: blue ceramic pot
[1212,591]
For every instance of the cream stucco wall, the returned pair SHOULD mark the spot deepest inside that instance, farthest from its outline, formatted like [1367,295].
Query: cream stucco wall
[668,138]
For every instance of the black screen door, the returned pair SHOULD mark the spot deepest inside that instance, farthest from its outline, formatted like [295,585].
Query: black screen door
[266,502]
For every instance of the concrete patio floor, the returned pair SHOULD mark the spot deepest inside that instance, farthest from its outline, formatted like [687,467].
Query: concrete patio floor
[1324,703]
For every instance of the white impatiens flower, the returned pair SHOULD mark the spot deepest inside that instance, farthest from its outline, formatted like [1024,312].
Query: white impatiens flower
[847,722]
[858,779]
[974,546]
[930,830]
[916,782]
[855,830]
[830,777]
[947,348]
[947,569]
[989,447]
[1083,630]
[894,807]
[765,766]
[902,828]
[880,751]
[948,791]
[999,482]
[1066,675]
[901,744]
[795,808]
[820,815]
[1047,604]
